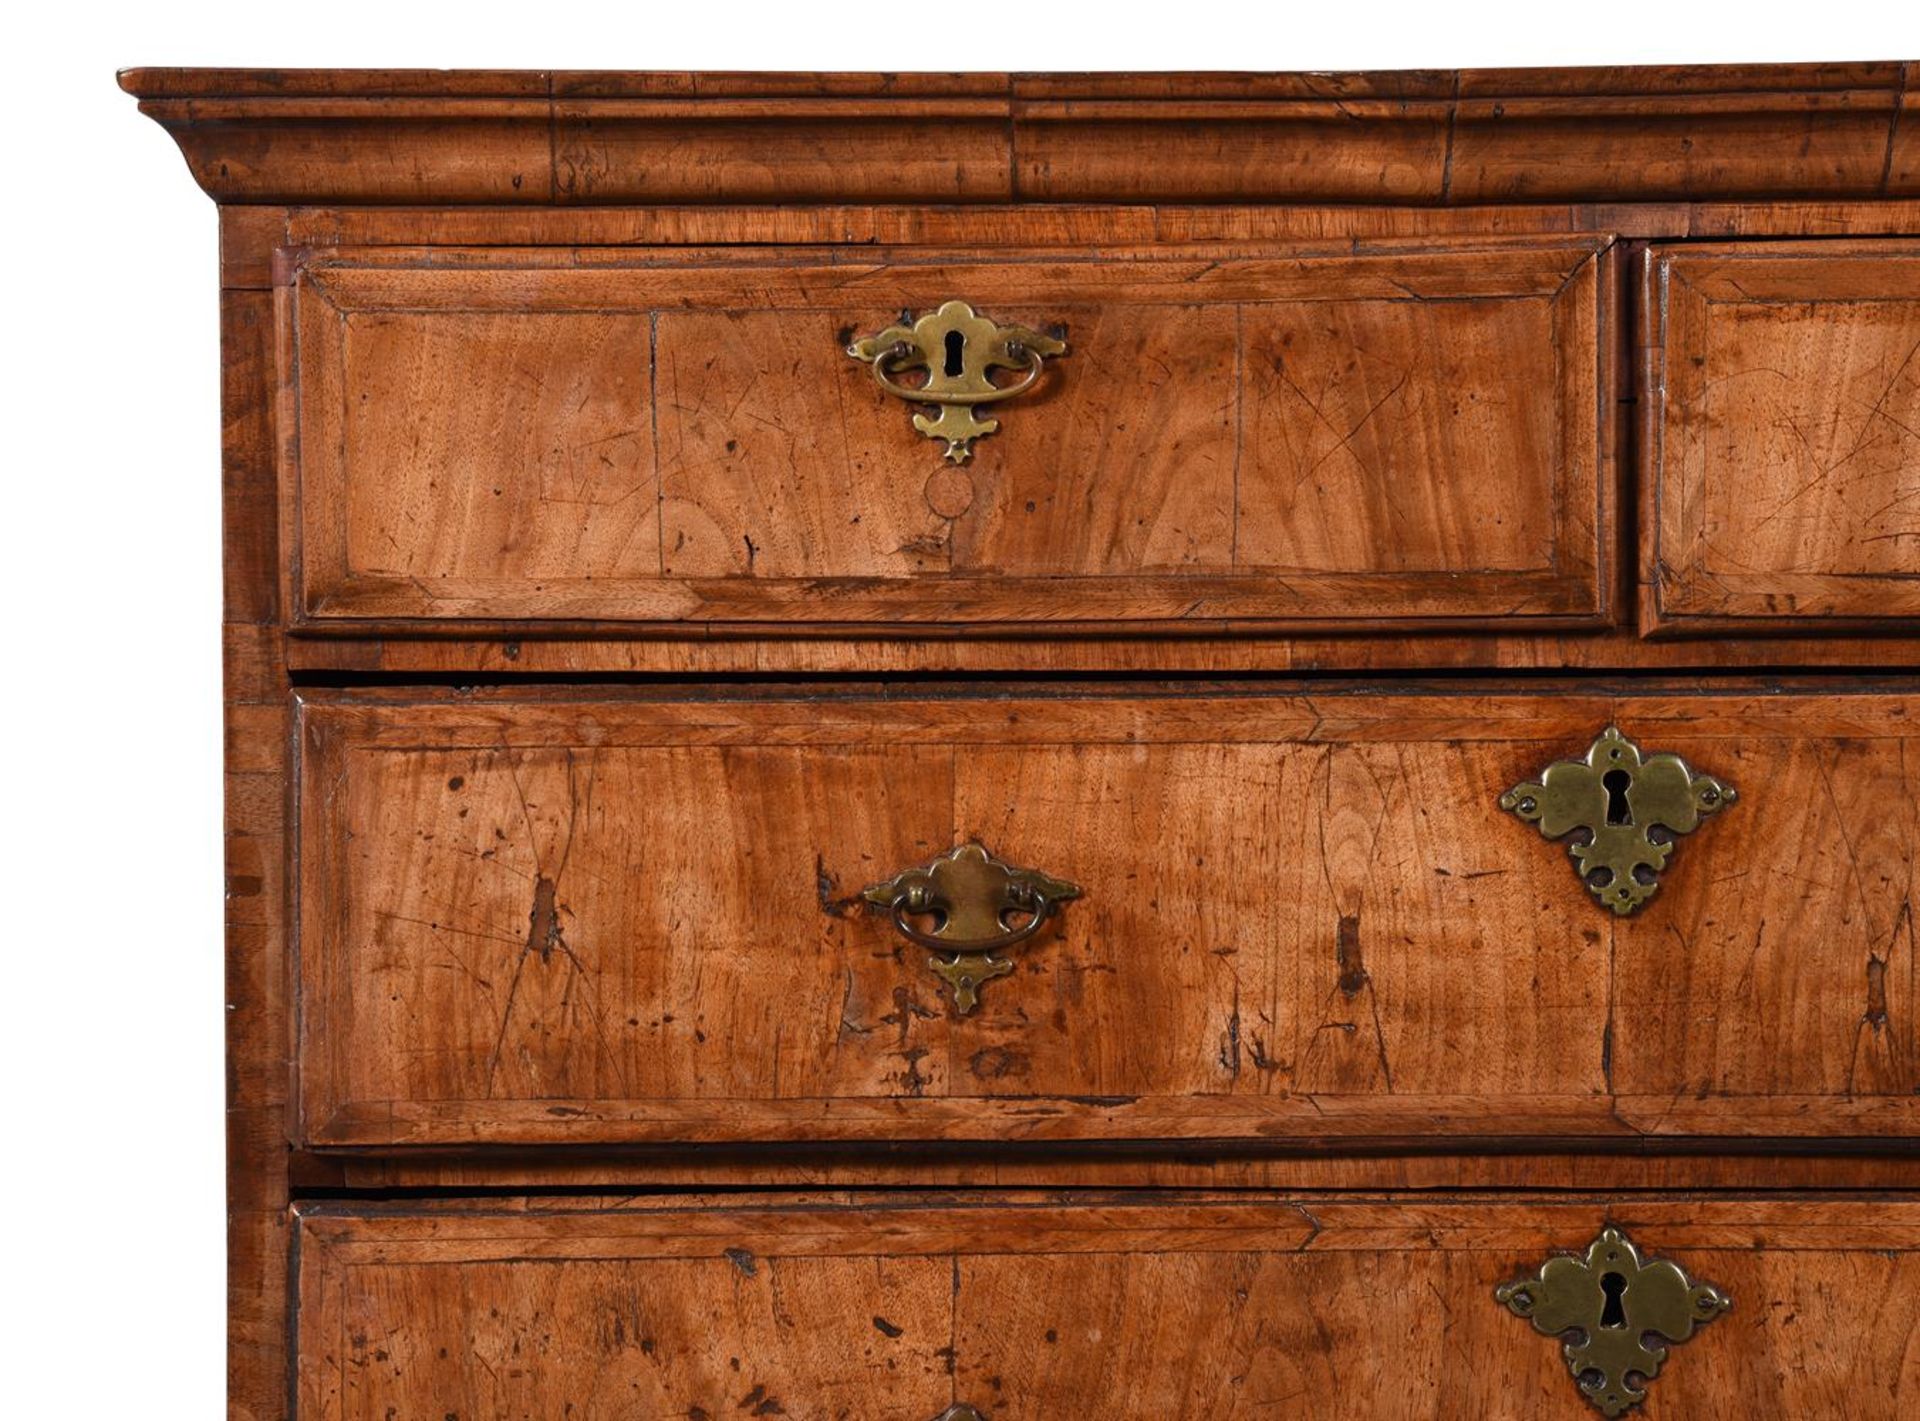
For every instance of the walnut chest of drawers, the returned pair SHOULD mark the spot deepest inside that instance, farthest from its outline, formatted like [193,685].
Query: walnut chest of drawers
[1010,748]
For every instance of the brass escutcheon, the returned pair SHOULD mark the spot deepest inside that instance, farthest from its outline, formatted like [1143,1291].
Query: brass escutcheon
[980,907]
[1617,1311]
[959,349]
[1626,808]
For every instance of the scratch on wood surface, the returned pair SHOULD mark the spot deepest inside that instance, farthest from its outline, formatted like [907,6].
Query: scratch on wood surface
[1346,956]
[915,1083]
[545,933]
[543,923]
[1230,1041]
[848,1025]
[826,886]
[906,1007]
[1876,1013]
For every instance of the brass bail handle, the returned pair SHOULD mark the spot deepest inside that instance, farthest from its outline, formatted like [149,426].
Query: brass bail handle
[904,356]
[959,349]
[974,900]
[1036,911]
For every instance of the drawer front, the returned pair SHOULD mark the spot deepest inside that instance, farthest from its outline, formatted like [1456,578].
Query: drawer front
[1784,436]
[550,917]
[1404,435]
[1127,1308]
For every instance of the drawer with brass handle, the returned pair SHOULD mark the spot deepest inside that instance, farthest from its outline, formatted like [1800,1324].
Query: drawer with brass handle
[1129,1306]
[1412,434]
[1260,913]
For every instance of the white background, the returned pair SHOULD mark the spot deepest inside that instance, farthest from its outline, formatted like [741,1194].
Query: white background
[111,1234]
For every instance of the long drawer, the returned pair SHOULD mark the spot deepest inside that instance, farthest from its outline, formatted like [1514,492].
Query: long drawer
[1051,913]
[1130,1307]
[1399,433]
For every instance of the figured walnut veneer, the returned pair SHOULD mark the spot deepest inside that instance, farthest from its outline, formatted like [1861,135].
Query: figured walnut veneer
[596,629]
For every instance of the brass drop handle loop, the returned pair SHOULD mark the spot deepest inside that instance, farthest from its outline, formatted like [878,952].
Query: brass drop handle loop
[928,395]
[970,894]
[959,349]
[1040,909]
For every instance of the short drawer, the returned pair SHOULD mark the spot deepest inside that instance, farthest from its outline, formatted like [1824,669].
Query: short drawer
[569,917]
[1130,1307]
[1399,434]
[1783,437]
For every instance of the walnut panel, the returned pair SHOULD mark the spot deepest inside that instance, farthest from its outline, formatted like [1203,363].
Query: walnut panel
[458,482]
[1784,438]
[572,919]
[1021,1306]
[1372,425]
[1407,434]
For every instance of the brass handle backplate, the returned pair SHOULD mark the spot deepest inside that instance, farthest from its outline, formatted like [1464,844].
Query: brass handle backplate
[1618,1312]
[1626,809]
[980,907]
[960,1412]
[959,349]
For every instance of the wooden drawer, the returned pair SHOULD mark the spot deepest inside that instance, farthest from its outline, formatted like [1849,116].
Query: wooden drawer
[1130,1307]
[547,916]
[1399,434]
[1783,437]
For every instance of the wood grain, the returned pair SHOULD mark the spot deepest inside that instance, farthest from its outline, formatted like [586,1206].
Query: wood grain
[1370,433]
[597,435]
[628,919]
[1067,225]
[1608,1164]
[1386,358]
[1782,450]
[1677,145]
[257,752]
[1226,651]
[1428,137]
[1024,1307]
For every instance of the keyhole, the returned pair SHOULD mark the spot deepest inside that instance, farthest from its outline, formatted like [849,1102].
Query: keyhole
[1612,1314]
[1616,783]
[956,352]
